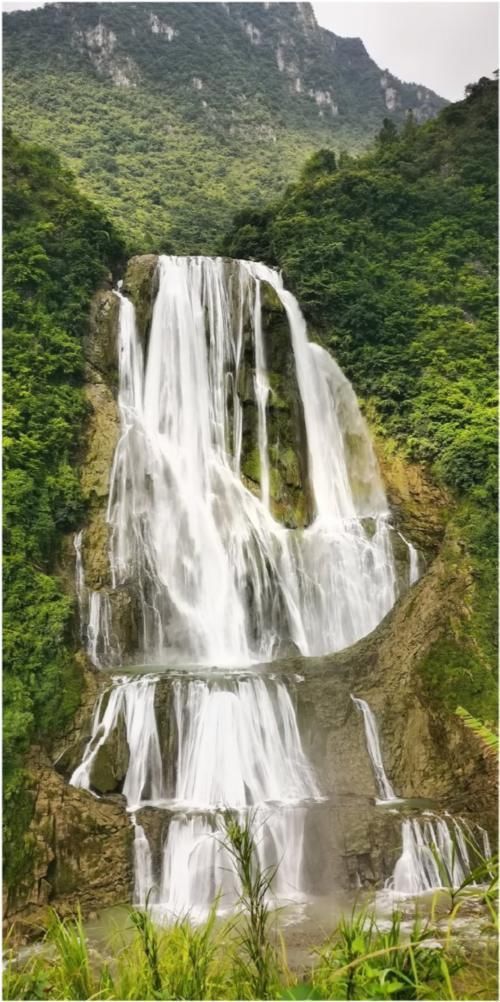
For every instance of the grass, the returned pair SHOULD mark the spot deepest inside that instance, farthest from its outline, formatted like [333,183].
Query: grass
[362,959]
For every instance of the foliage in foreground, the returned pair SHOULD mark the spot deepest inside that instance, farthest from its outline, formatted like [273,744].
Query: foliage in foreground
[487,737]
[240,960]
[57,248]
[393,257]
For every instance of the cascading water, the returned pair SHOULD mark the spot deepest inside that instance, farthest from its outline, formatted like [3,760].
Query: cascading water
[437,853]
[216,580]
[414,561]
[94,607]
[238,748]
[373,744]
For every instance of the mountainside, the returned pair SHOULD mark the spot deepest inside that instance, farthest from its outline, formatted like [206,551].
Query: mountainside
[173,115]
[393,257]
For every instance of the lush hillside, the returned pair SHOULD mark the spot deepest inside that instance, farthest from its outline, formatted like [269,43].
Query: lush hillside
[57,248]
[173,115]
[393,257]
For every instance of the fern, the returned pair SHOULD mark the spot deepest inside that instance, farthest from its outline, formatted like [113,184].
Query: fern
[488,738]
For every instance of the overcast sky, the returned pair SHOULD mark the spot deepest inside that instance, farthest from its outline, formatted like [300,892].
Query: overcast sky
[442,45]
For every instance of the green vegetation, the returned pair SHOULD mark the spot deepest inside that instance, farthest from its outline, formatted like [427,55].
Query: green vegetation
[238,960]
[393,259]
[256,957]
[171,116]
[57,248]
[488,738]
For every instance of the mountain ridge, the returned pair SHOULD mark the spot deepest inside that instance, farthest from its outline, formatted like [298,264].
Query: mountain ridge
[156,105]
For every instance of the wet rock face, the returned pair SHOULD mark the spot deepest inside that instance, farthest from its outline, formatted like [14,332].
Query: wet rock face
[101,432]
[420,508]
[110,765]
[140,285]
[100,345]
[81,850]
[427,752]
[356,843]
[291,499]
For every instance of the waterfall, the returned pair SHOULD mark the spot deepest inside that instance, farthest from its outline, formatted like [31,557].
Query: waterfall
[144,882]
[414,562]
[436,854]
[94,607]
[261,383]
[373,744]
[216,580]
[238,748]
[130,702]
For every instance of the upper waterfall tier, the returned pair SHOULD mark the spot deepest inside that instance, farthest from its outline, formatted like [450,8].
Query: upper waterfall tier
[213,576]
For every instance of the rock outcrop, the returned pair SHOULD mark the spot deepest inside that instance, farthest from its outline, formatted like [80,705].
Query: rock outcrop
[428,753]
[81,849]
[420,507]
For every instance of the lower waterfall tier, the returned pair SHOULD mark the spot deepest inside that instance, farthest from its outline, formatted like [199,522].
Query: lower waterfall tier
[187,870]
[187,751]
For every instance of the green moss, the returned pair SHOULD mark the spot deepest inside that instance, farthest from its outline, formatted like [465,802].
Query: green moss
[19,845]
[277,384]
[290,465]
[251,466]
[66,878]
[454,676]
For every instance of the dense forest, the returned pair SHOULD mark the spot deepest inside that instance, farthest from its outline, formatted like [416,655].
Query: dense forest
[393,258]
[57,248]
[176,105]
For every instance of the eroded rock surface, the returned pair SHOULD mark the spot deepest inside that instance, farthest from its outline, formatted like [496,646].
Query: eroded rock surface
[81,852]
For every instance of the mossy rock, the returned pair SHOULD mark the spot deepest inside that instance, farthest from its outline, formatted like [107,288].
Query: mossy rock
[278,395]
[141,286]
[101,437]
[270,300]
[95,552]
[420,508]
[110,764]
[65,877]
[251,466]
[289,464]
[100,345]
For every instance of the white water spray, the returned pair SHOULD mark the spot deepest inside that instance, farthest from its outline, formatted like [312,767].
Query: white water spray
[238,748]
[373,744]
[437,853]
[216,579]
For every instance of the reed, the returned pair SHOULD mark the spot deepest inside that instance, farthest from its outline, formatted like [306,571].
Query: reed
[238,959]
